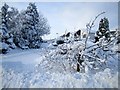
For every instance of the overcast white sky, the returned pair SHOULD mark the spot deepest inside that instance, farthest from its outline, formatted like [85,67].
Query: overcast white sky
[73,15]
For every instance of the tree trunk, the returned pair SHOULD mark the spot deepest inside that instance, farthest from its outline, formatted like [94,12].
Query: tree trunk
[78,67]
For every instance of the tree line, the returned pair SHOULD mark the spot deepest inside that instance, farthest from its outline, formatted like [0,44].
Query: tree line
[22,29]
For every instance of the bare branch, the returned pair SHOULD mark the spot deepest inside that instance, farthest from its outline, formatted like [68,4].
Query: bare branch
[101,60]
[90,26]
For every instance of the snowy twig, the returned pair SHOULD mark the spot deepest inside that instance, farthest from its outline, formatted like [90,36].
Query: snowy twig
[92,46]
[89,27]
[101,60]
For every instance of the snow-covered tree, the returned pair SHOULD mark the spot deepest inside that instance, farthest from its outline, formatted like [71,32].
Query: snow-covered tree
[7,25]
[42,26]
[103,30]
[8,18]
[31,26]
[12,14]
[32,18]
[3,24]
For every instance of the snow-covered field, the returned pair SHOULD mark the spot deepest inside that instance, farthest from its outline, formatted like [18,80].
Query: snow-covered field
[47,68]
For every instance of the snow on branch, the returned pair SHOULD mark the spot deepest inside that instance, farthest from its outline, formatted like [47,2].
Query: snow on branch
[89,27]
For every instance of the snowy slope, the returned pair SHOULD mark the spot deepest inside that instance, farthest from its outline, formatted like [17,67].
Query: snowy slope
[50,67]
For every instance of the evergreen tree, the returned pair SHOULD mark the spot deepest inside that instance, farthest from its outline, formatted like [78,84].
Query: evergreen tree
[106,24]
[12,14]
[103,30]
[7,25]
[31,26]
[3,24]
[32,21]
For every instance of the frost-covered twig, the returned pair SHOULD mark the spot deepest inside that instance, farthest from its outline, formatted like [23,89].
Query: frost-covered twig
[92,46]
[89,27]
[101,60]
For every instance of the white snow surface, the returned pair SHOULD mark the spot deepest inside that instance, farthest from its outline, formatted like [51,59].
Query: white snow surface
[47,68]
[3,45]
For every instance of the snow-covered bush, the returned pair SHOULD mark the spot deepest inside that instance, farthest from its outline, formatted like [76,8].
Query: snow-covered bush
[3,48]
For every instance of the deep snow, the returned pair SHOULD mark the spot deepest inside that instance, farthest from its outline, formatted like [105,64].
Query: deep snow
[46,68]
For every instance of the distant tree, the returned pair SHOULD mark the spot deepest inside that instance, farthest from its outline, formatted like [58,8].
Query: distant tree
[103,30]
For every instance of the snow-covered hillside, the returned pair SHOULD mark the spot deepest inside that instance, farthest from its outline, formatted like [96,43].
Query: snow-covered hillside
[55,67]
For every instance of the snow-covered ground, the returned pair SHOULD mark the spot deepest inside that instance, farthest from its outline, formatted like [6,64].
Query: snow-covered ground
[48,68]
